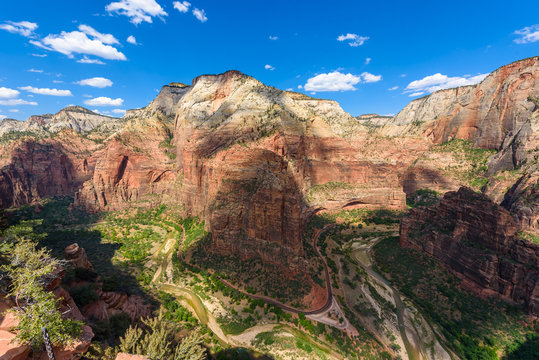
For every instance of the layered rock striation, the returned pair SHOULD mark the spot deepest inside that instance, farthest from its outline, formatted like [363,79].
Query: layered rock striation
[477,240]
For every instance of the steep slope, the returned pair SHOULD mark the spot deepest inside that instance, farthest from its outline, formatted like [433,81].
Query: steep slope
[249,155]
[477,240]
[486,113]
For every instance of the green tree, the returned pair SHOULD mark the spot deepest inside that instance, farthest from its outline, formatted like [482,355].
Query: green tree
[29,271]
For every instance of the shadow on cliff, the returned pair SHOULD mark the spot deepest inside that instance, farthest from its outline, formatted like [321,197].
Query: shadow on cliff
[58,226]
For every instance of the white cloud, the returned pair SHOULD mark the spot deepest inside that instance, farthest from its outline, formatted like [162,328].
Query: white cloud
[132,40]
[86,60]
[119,111]
[2,117]
[104,101]
[367,61]
[78,42]
[439,81]
[402,75]
[46,91]
[416,94]
[273,37]
[354,40]
[370,78]
[8,93]
[24,28]
[104,38]
[137,10]
[528,34]
[334,81]
[98,82]
[57,81]
[182,6]
[15,102]
[40,55]
[35,70]
[200,15]
[393,88]
[14,110]
[300,86]
[269,67]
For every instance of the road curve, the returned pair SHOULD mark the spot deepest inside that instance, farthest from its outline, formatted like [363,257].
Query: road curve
[272,301]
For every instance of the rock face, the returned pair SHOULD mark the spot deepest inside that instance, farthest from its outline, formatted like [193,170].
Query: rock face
[486,113]
[109,303]
[76,256]
[74,117]
[477,240]
[249,153]
[31,169]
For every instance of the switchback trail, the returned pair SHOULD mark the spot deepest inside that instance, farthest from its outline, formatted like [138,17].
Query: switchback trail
[275,302]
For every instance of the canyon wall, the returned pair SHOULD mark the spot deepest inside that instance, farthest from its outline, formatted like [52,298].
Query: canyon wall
[477,240]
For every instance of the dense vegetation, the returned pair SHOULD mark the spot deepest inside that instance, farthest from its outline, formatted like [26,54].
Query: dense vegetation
[475,328]
[25,272]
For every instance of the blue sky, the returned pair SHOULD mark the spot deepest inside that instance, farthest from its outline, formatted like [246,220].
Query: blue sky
[372,57]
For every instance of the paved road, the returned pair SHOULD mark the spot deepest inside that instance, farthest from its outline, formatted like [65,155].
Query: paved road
[285,307]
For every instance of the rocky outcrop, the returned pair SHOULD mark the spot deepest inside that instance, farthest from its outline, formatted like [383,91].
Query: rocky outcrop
[130,167]
[76,257]
[249,155]
[32,169]
[163,106]
[486,113]
[76,118]
[477,240]
[10,349]
[110,303]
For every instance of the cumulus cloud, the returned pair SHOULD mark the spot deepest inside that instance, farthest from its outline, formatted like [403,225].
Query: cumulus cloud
[269,67]
[104,101]
[182,6]
[46,91]
[337,81]
[24,28]
[393,88]
[98,82]
[40,55]
[528,34]
[353,40]
[439,81]
[119,112]
[8,93]
[370,78]
[104,38]
[132,40]
[2,117]
[86,60]
[35,70]
[137,10]
[333,81]
[273,37]
[15,102]
[87,42]
[200,15]
[367,61]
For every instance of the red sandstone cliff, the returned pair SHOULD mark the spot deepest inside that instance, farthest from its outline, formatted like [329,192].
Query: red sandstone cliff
[477,240]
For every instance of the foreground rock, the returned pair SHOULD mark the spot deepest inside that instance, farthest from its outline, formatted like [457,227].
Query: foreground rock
[477,241]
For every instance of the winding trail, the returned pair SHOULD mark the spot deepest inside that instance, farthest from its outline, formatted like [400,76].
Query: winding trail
[163,256]
[327,305]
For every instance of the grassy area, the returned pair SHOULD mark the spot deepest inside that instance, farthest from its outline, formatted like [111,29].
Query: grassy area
[475,328]
[531,237]
[471,161]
